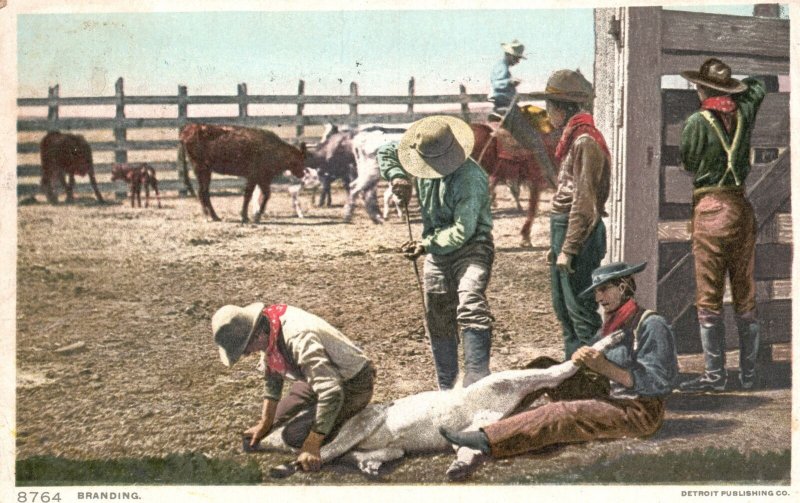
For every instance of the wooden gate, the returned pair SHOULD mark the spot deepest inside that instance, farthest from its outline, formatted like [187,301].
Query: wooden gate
[641,105]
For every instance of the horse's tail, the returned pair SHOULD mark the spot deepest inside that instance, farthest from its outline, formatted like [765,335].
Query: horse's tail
[183,169]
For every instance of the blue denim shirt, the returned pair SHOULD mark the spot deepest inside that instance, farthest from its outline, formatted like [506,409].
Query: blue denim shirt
[502,89]
[653,364]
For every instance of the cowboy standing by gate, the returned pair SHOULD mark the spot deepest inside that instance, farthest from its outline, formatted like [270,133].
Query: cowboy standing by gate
[457,239]
[715,147]
[577,232]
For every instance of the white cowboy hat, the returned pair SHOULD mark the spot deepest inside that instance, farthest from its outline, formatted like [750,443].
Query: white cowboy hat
[233,327]
[435,146]
[515,48]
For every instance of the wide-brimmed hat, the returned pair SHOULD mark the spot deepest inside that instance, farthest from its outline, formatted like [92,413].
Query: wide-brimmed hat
[232,327]
[515,48]
[716,75]
[566,85]
[606,273]
[435,146]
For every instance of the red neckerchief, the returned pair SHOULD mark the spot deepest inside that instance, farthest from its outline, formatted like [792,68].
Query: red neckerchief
[724,104]
[276,362]
[580,123]
[619,317]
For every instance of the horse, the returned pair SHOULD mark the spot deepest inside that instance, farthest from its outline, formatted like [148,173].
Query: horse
[504,159]
[255,154]
[62,153]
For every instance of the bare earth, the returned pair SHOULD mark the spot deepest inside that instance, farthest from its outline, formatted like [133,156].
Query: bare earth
[138,287]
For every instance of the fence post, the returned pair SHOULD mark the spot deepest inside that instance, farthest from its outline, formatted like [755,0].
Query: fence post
[120,132]
[410,109]
[52,106]
[299,121]
[462,91]
[241,94]
[182,107]
[353,119]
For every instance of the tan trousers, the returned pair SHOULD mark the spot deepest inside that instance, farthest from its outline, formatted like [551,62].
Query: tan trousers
[723,243]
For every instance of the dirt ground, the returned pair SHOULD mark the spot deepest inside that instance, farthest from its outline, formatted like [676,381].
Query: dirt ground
[137,288]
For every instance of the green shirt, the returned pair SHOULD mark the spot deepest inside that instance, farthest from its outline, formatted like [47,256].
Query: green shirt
[705,154]
[456,209]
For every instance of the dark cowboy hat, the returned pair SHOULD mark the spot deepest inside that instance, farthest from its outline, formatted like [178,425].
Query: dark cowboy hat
[566,85]
[716,75]
[606,273]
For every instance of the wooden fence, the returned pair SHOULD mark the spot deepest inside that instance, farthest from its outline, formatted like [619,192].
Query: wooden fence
[471,107]
[650,204]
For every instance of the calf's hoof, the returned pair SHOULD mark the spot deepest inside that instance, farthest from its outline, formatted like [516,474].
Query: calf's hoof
[526,243]
[461,470]
[370,467]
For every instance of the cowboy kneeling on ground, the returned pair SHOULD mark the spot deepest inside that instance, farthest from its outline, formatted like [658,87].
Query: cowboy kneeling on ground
[334,380]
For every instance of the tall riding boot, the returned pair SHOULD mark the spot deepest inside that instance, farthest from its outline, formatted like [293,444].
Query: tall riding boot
[749,329]
[477,346]
[445,359]
[712,336]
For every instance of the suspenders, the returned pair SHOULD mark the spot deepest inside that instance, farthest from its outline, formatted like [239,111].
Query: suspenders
[645,315]
[730,149]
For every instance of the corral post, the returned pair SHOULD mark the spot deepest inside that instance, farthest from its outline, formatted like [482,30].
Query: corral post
[300,123]
[120,132]
[182,113]
[241,95]
[462,91]
[52,105]
[353,118]
[636,101]
[410,108]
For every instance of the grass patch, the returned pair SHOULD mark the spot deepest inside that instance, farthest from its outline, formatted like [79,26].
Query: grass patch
[179,469]
[708,465]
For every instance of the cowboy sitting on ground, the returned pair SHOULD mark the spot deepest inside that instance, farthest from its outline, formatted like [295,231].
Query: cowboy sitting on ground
[333,378]
[641,371]
[454,199]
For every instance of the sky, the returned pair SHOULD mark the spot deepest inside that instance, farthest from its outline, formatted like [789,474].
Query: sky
[211,52]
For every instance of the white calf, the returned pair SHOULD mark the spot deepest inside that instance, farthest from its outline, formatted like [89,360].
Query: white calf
[389,200]
[309,182]
[385,432]
[365,146]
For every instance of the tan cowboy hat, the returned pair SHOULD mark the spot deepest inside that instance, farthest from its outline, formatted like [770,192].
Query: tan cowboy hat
[233,328]
[435,146]
[515,48]
[566,85]
[716,75]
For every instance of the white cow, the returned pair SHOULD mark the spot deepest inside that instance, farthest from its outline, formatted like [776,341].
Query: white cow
[385,432]
[389,200]
[365,145]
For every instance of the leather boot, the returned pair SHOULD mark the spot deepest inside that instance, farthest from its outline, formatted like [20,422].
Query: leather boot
[477,346]
[712,336]
[749,330]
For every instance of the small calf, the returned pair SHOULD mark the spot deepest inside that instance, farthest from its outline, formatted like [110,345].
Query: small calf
[389,200]
[310,181]
[136,176]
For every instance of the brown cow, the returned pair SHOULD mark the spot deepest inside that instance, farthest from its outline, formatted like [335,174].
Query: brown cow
[254,154]
[137,175]
[506,160]
[62,154]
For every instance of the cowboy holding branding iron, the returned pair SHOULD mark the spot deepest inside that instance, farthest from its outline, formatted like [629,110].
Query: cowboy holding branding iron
[577,232]
[333,378]
[715,147]
[456,239]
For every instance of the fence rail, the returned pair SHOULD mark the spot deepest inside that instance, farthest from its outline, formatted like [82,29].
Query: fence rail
[469,106]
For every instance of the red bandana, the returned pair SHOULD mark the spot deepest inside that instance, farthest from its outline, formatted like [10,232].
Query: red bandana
[580,123]
[619,317]
[275,360]
[724,104]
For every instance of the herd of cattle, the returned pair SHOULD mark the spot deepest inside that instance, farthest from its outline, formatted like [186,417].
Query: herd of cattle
[346,154]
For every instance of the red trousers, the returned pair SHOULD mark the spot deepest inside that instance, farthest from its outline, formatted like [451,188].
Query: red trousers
[724,243]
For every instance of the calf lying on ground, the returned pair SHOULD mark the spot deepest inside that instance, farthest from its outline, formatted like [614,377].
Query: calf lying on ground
[136,176]
[385,432]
